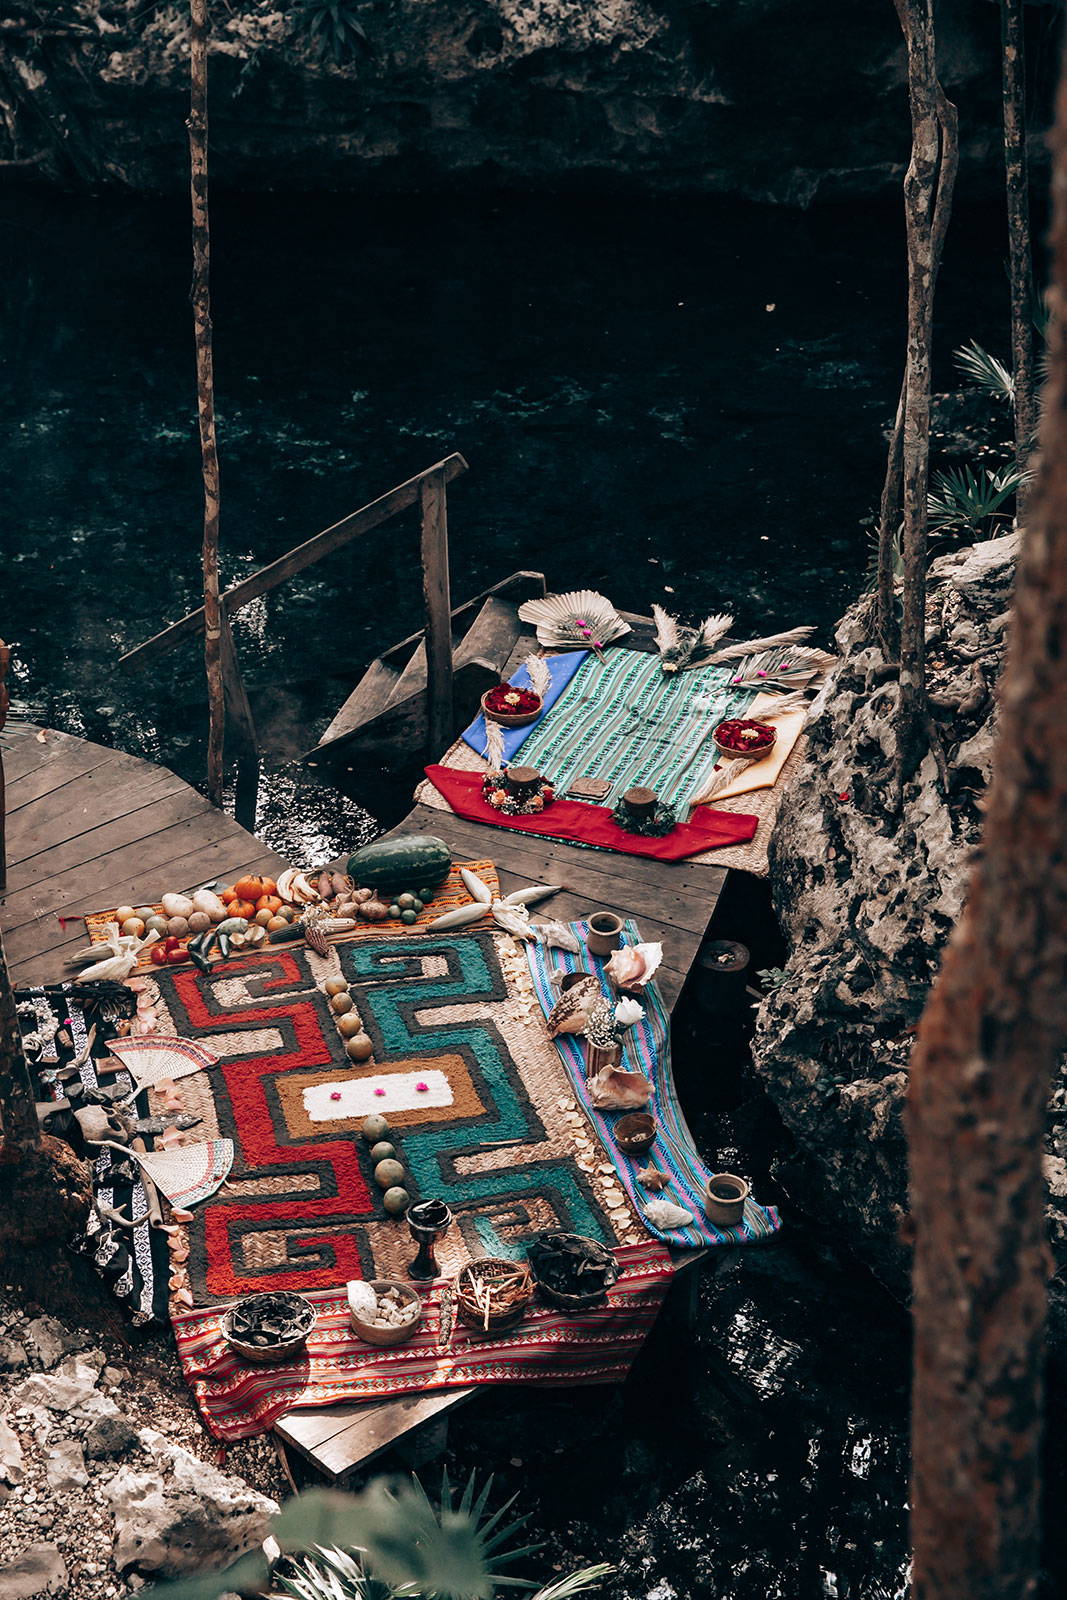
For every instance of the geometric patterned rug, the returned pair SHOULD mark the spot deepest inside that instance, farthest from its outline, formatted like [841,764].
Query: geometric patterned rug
[478,1102]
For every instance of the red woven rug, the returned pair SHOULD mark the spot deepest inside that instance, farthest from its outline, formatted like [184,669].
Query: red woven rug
[548,1347]
[707,829]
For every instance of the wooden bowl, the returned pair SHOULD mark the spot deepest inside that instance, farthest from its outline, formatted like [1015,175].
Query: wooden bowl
[269,1355]
[508,719]
[386,1336]
[635,1133]
[757,754]
[488,1270]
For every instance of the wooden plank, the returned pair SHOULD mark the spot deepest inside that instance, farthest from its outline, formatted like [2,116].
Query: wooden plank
[437,594]
[490,638]
[365,1430]
[75,810]
[304,555]
[520,586]
[160,811]
[56,768]
[368,699]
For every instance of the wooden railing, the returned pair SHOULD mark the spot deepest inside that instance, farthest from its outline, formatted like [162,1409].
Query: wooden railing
[429,489]
[5,657]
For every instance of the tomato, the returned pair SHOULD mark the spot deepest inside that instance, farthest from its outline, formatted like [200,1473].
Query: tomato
[158,955]
[175,956]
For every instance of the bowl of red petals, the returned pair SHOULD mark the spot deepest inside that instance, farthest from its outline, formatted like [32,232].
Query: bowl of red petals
[742,739]
[511,706]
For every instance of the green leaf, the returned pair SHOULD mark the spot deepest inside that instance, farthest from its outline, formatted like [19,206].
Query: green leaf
[250,1575]
[581,1582]
[986,371]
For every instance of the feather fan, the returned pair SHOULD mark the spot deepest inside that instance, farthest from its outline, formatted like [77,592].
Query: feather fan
[682,647]
[578,620]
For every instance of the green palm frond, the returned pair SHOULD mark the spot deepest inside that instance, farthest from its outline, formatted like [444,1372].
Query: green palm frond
[984,370]
[582,1582]
[331,29]
[962,498]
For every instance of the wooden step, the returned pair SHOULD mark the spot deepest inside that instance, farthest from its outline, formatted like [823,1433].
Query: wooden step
[370,697]
[490,638]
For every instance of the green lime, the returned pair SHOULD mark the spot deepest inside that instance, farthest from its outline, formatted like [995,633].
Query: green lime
[409,916]
[425,895]
[394,910]
[417,906]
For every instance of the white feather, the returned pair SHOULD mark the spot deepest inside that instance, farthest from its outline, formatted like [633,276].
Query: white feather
[494,745]
[538,674]
[666,628]
[713,629]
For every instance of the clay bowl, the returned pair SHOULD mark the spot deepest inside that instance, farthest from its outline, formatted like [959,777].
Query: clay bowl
[509,719]
[756,754]
[386,1336]
[269,1355]
[635,1133]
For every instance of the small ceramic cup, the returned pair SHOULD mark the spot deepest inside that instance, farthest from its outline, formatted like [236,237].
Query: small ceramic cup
[605,933]
[724,1199]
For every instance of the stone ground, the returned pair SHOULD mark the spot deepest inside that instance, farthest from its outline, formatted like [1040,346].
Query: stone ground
[106,1474]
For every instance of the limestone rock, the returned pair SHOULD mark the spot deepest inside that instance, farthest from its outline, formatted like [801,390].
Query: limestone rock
[70,1388]
[49,1341]
[10,1454]
[867,901]
[12,1355]
[39,1570]
[65,1465]
[183,1515]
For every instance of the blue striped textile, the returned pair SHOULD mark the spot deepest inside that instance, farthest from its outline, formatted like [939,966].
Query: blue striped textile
[646,1049]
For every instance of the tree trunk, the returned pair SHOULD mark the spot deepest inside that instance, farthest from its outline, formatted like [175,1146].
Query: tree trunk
[921,184]
[214,620]
[993,1031]
[1015,172]
[891,507]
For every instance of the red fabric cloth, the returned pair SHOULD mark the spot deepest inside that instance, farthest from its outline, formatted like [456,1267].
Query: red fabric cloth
[707,829]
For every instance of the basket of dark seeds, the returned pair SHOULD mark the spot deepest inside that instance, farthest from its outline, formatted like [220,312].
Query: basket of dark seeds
[572,1272]
[269,1327]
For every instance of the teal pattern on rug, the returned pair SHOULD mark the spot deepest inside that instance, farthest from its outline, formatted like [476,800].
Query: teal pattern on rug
[626,721]
[389,1007]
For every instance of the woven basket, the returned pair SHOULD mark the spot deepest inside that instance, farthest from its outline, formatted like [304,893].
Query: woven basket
[269,1355]
[593,1297]
[745,755]
[489,1271]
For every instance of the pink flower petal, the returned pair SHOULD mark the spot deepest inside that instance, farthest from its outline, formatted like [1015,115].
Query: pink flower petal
[379,1091]
[421,1088]
[336,1095]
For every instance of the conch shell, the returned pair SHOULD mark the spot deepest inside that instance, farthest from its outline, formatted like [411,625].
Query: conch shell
[615,1090]
[665,1215]
[632,965]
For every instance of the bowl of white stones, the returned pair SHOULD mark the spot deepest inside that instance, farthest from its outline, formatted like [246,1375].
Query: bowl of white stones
[383,1310]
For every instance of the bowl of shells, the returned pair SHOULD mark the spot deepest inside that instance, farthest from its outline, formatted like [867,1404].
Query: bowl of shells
[383,1311]
[269,1327]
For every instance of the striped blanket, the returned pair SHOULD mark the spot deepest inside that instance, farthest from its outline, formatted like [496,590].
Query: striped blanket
[626,721]
[646,1049]
[551,1347]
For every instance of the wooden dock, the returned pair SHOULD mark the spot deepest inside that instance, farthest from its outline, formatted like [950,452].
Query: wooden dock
[89,828]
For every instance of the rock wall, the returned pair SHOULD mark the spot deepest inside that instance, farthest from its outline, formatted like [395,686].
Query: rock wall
[867,902]
[764,99]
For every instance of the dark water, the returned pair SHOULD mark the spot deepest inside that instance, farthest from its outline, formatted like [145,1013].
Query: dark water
[679,401]
[672,401]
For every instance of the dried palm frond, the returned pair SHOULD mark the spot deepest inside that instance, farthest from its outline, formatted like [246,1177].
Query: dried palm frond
[748,647]
[781,669]
[784,705]
[680,646]
[578,620]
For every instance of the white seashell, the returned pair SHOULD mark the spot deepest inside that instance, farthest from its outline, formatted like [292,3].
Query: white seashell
[362,1299]
[615,1090]
[557,936]
[652,1178]
[628,1011]
[665,1215]
[634,964]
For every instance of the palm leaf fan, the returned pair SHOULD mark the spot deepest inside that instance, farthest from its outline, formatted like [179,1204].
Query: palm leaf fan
[781,669]
[574,621]
[190,1172]
[157,1057]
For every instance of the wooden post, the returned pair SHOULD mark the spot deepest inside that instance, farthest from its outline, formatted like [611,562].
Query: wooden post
[1013,64]
[19,1131]
[5,657]
[438,613]
[214,620]
[242,726]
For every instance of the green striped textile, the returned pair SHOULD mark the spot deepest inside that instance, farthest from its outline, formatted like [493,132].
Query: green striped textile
[625,720]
